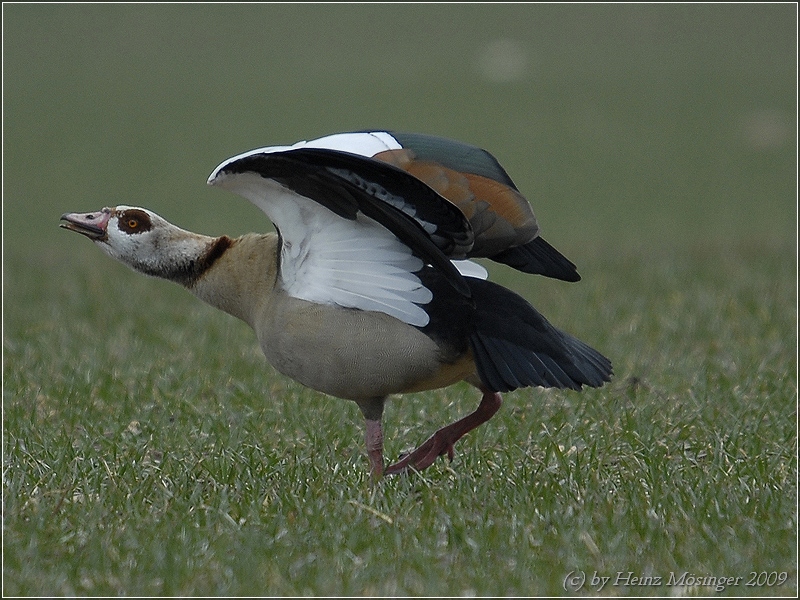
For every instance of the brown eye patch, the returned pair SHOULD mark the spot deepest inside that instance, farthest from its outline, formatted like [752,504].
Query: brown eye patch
[134,221]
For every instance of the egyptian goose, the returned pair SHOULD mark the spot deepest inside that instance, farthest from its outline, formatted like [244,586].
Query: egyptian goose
[365,290]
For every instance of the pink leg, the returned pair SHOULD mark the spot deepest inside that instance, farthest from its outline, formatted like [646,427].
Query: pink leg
[442,441]
[375,447]
[373,413]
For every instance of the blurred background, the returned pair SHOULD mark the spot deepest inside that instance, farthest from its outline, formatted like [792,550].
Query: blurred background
[627,126]
[657,144]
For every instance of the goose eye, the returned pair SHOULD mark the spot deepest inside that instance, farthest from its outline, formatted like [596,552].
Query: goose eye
[134,221]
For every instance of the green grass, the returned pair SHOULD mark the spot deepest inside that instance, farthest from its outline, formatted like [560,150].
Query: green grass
[153,452]
[148,449]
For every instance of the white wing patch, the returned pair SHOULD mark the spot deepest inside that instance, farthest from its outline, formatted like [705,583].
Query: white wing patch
[364,144]
[471,269]
[331,260]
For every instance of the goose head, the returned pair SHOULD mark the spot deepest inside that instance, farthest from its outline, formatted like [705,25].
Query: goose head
[143,240]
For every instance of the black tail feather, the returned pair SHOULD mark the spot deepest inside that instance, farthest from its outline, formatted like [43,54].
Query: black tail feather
[539,258]
[494,374]
[515,346]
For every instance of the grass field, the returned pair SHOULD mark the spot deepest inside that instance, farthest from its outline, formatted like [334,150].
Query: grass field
[149,450]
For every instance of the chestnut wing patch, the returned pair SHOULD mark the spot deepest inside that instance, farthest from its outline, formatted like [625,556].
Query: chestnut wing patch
[502,220]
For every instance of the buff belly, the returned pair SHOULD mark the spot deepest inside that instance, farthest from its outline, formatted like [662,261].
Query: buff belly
[355,354]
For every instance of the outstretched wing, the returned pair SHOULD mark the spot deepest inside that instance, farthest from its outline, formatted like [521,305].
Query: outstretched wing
[502,219]
[355,231]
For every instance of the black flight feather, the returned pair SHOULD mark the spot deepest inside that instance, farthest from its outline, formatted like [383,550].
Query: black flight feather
[539,258]
[515,346]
